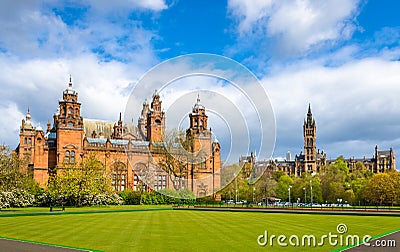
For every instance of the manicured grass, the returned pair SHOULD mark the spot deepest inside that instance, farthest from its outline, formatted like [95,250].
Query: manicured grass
[171,230]
[77,209]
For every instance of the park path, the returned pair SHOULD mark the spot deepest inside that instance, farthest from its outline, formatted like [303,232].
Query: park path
[24,246]
[382,240]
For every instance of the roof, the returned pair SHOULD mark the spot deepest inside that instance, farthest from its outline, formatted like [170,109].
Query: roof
[121,142]
[104,127]
[383,154]
[51,134]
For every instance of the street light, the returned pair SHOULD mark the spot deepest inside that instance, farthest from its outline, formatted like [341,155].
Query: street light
[254,194]
[236,190]
[311,190]
[305,195]
[290,202]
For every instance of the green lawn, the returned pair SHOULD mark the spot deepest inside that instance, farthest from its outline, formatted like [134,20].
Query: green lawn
[171,230]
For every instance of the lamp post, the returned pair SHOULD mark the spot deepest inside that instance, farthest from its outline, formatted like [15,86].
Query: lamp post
[311,190]
[236,190]
[254,195]
[305,195]
[290,202]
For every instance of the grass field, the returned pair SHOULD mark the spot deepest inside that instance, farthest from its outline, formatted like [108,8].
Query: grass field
[171,230]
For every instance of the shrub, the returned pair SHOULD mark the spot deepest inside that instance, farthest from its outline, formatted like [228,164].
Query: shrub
[16,198]
[130,197]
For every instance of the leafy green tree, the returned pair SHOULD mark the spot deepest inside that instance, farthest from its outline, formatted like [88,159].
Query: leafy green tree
[303,184]
[75,183]
[11,175]
[276,175]
[333,180]
[282,189]
[383,188]
[265,188]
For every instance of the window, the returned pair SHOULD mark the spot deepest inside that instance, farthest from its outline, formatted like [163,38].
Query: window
[136,183]
[69,157]
[69,111]
[72,157]
[66,158]
[70,124]
[119,176]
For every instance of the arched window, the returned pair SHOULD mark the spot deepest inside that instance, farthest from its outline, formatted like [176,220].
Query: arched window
[66,158]
[69,110]
[72,157]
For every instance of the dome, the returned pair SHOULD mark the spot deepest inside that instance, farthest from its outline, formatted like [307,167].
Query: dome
[69,89]
[39,128]
[198,105]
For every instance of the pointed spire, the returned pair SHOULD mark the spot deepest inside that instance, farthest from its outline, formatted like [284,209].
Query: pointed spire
[309,109]
[28,115]
[156,93]
[120,119]
[48,126]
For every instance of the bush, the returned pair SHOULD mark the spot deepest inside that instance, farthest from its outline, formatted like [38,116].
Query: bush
[130,197]
[46,199]
[16,198]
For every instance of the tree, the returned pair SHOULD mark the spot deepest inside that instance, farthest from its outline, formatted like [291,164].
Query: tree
[175,158]
[383,188]
[303,184]
[276,175]
[79,183]
[11,175]
[282,189]
[265,187]
[333,180]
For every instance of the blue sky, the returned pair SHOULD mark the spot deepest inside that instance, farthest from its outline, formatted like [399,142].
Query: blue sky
[340,56]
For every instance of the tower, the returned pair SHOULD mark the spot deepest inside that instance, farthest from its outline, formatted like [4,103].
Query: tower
[119,129]
[26,139]
[155,120]
[142,121]
[310,145]
[198,134]
[69,127]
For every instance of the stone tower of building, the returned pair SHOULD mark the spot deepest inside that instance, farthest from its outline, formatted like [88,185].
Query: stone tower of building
[142,121]
[27,138]
[68,123]
[206,153]
[155,120]
[198,134]
[119,129]
[310,145]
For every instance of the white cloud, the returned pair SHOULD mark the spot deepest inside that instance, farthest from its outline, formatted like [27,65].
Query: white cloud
[105,6]
[59,29]
[355,105]
[294,26]
[9,129]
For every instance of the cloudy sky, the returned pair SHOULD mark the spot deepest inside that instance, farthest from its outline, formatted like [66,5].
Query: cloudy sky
[342,57]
